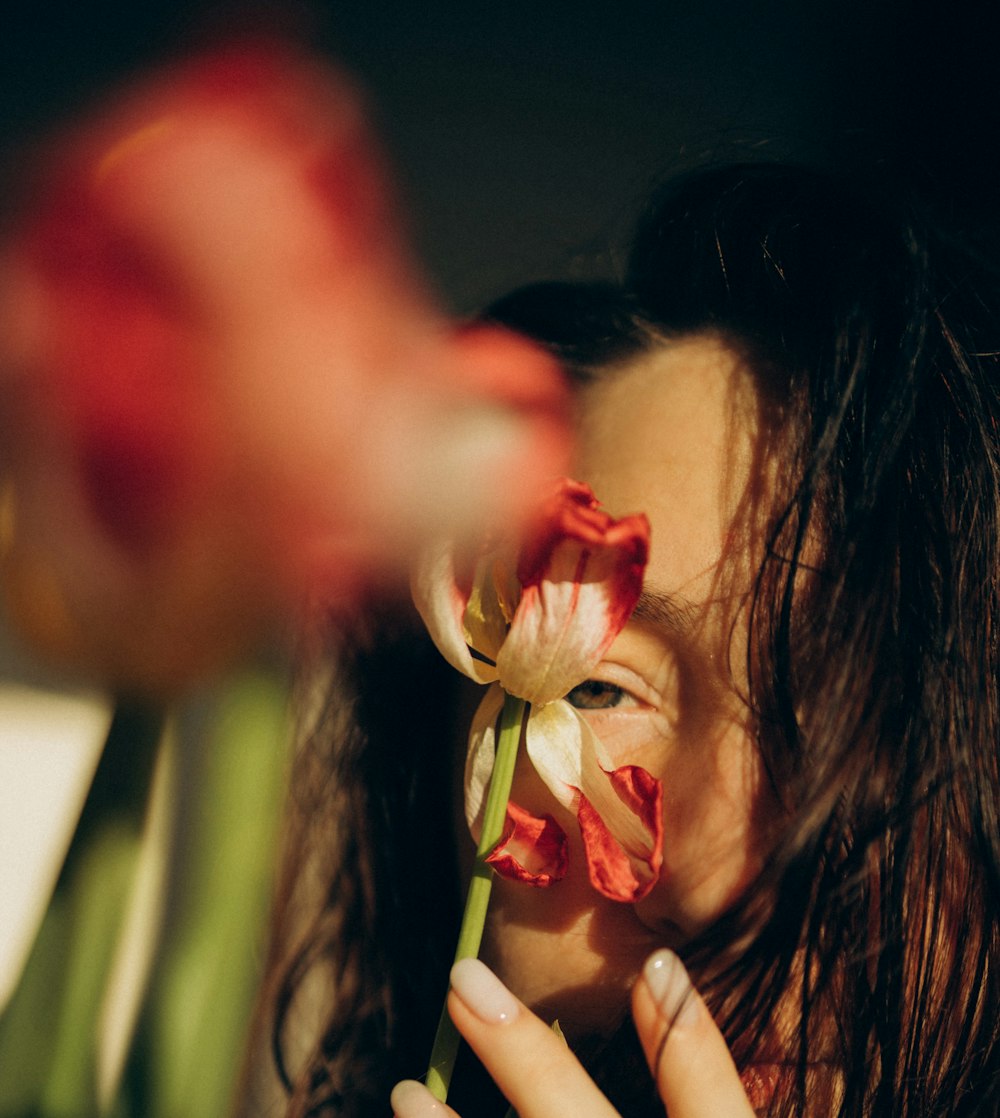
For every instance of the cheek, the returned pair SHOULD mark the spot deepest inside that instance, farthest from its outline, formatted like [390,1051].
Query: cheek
[712,848]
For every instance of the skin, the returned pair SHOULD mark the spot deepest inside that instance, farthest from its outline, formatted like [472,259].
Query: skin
[679,434]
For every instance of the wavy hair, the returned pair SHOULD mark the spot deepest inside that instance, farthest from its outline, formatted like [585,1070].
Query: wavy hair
[873,654]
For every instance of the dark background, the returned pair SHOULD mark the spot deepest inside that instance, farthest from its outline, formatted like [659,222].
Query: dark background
[525,135]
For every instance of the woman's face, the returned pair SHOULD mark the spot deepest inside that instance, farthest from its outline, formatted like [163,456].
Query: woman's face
[675,434]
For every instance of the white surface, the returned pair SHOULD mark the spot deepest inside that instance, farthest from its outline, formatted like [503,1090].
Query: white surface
[49,748]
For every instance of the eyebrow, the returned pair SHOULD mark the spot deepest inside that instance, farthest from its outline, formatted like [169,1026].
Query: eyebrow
[668,610]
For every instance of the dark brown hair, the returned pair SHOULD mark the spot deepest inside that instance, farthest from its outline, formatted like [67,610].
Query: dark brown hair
[873,651]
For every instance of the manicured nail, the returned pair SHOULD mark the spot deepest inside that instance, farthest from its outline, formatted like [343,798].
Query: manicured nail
[410,1099]
[670,988]
[483,993]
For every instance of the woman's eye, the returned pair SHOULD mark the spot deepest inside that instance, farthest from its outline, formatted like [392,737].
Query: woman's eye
[596,694]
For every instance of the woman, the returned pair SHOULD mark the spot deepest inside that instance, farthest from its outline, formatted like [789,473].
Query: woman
[799,388]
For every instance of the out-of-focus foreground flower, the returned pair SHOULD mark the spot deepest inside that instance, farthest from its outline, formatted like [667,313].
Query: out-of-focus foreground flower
[536,630]
[222,384]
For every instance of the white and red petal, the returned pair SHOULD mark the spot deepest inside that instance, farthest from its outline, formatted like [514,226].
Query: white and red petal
[619,810]
[533,849]
[625,865]
[581,575]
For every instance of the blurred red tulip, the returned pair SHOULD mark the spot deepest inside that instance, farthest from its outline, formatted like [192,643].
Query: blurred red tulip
[224,385]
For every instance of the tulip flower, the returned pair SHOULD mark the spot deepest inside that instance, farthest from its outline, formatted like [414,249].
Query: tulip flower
[223,383]
[536,628]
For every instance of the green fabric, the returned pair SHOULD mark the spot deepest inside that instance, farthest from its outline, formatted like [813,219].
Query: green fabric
[186,1053]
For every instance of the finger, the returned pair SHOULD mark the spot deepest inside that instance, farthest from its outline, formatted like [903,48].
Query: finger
[689,1058]
[410,1099]
[537,1073]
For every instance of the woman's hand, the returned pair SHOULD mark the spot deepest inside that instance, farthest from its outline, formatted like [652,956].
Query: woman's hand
[540,1076]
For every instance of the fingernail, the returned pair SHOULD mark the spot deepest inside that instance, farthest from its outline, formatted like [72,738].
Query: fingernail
[410,1099]
[670,988]
[482,992]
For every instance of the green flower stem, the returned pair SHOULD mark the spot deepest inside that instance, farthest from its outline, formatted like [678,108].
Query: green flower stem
[447,1039]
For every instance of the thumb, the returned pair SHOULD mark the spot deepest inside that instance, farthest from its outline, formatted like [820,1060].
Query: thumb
[694,1071]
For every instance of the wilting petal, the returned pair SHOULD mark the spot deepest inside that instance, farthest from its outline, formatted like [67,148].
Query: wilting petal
[625,866]
[532,850]
[442,603]
[479,761]
[619,811]
[581,574]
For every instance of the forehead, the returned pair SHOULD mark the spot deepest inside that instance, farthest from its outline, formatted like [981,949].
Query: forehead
[674,434]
